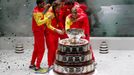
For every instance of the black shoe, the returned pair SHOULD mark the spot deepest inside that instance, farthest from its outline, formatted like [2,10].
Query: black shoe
[32,67]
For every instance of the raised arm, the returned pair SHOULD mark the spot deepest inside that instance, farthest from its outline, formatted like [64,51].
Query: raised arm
[39,18]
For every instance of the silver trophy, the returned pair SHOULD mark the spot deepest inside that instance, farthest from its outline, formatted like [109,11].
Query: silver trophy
[75,34]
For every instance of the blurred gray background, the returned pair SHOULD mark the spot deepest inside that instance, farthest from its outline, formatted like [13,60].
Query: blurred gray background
[110,18]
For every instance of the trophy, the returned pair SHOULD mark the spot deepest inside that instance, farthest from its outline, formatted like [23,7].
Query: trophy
[74,35]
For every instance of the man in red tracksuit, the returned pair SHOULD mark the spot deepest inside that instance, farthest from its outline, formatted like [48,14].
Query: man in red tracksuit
[38,21]
[65,10]
[81,9]
[79,20]
[52,32]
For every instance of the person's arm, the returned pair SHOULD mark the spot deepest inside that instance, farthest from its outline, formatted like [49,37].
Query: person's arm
[53,28]
[48,23]
[82,16]
[38,18]
[68,23]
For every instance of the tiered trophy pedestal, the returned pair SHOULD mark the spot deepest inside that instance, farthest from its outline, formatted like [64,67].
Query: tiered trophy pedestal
[73,58]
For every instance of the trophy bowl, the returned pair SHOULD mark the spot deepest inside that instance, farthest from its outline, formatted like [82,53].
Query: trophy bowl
[75,34]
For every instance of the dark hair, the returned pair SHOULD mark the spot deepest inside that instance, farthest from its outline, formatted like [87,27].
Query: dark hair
[69,2]
[50,1]
[55,4]
[39,1]
[80,1]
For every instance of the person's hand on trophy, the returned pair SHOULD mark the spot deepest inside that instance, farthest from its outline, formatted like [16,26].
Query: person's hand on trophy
[61,32]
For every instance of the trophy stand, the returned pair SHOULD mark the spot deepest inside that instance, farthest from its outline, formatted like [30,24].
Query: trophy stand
[73,56]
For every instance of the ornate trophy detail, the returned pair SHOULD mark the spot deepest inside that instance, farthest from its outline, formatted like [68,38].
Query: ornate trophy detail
[73,56]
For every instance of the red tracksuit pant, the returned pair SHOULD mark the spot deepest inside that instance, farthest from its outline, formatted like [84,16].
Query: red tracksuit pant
[52,46]
[39,48]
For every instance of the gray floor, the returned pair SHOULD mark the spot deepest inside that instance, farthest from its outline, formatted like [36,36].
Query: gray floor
[116,62]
